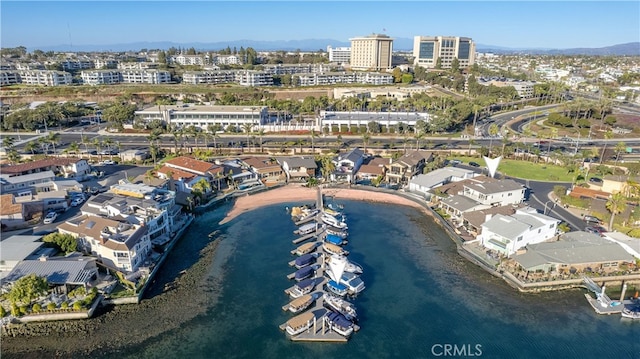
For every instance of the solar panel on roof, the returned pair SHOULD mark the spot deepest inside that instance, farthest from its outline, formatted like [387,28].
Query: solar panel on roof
[101,198]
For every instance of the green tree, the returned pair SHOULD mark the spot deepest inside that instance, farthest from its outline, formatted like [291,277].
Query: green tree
[66,242]
[620,147]
[118,114]
[616,204]
[28,288]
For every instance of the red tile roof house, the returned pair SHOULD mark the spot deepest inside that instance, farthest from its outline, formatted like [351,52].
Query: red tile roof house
[214,173]
[66,167]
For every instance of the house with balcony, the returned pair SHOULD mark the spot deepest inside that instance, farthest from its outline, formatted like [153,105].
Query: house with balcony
[266,169]
[182,181]
[494,192]
[142,205]
[425,183]
[407,166]
[347,165]
[212,172]
[118,244]
[508,234]
[298,168]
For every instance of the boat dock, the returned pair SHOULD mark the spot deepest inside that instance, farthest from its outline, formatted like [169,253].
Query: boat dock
[319,331]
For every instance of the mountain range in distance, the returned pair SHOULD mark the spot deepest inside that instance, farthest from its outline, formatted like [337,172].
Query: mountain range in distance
[399,44]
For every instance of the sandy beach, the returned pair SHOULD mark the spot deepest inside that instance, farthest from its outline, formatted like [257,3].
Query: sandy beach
[297,192]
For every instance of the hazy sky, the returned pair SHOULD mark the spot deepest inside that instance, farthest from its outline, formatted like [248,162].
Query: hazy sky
[538,24]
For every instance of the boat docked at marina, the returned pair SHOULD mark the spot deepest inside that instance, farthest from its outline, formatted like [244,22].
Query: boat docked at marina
[333,239]
[631,314]
[342,233]
[303,287]
[299,304]
[349,266]
[337,288]
[351,281]
[334,249]
[305,248]
[305,260]
[307,228]
[299,323]
[340,305]
[333,221]
[305,272]
[339,324]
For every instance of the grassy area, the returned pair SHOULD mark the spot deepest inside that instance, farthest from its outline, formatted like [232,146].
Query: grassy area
[528,170]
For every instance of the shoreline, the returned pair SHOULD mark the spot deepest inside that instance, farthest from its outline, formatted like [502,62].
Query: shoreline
[297,192]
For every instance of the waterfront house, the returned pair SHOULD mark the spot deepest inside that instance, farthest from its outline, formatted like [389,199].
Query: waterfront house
[18,248]
[495,192]
[11,212]
[472,220]
[407,166]
[267,169]
[213,172]
[424,183]
[347,165]
[370,172]
[298,167]
[183,181]
[456,205]
[62,273]
[117,243]
[141,205]
[507,234]
[575,252]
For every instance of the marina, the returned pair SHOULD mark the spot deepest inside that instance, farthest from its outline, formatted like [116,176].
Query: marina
[324,274]
[602,304]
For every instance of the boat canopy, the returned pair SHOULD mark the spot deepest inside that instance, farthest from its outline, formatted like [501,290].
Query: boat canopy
[339,320]
[338,286]
[298,302]
[306,283]
[304,272]
[333,248]
[300,320]
[305,259]
[333,239]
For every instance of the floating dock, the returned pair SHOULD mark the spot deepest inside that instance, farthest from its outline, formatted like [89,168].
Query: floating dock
[319,331]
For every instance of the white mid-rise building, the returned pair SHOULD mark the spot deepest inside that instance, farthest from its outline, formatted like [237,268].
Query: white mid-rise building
[100,77]
[145,76]
[428,49]
[209,77]
[340,55]
[45,77]
[9,78]
[196,60]
[254,78]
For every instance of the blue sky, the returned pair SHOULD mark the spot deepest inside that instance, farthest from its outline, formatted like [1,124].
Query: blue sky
[516,24]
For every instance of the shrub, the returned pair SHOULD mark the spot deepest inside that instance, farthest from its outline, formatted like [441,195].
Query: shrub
[51,306]
[64,305]
[14,310]
[3,311]
[36,308]
[24,310]
[77,306]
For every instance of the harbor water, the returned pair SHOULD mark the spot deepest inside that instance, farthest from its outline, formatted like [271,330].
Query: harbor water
[422,299]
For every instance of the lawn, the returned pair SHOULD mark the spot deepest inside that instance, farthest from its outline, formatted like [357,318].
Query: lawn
[527,170]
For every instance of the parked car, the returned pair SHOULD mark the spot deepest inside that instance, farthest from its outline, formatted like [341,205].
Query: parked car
[474,164]
[50,217]
[595,180]
[595,230]
[455,162]
[76,202]
[592,219]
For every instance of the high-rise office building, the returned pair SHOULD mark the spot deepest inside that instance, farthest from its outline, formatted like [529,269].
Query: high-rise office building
[427,50]
[371,52]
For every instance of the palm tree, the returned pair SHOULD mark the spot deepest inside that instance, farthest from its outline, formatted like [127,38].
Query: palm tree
[247,127]
[8,142]
[471,143]
[620,147]
[616,204]
[53,138]
[313,135]
[493,130]
[260,134]
[98,143]
[365,141]
[31,146]
[74,147]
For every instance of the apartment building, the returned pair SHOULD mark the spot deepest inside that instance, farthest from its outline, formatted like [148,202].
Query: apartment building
[9,78]
[75,65]
[373,52]
[45,77]
[254,78]
[209,77]
[523,88]
[106,63]
[196,60]
[331,78]
[428,49]
[340,55]
[100,77]
[150,76]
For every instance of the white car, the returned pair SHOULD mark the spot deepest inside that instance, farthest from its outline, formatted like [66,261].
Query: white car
[76,202]
[50,217]
[108,162]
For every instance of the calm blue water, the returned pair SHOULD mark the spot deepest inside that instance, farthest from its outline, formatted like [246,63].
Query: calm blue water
[420,296]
